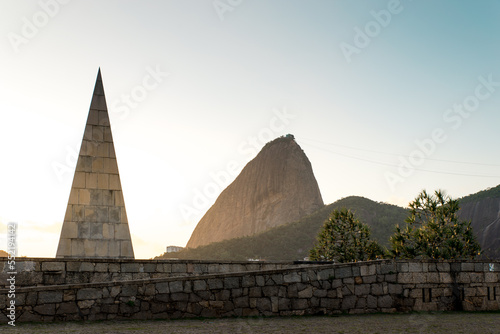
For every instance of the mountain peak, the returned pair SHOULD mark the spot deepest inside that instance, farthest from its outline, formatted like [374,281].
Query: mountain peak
[276,187]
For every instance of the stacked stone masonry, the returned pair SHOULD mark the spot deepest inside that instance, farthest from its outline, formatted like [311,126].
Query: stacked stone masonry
[95,224]
[47,271]
[364,287]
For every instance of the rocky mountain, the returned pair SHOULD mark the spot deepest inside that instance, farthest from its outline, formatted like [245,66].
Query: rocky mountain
[483,210]
[277,187]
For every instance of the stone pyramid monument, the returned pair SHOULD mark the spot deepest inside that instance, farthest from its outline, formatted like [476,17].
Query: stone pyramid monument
[95,224]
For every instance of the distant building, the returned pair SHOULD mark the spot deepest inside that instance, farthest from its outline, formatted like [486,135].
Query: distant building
[174,249]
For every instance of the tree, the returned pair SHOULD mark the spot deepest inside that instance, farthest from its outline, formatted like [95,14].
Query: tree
[345,239]
[434,231]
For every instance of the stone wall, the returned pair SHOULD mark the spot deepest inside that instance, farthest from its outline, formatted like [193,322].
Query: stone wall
[364,287]
[41,271]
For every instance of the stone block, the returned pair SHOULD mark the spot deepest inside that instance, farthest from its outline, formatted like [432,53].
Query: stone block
[490,277]
[130,267]
[299,304]
[96,229]
[46,297]
[292,277]
[405,278]
[97,133]
[432,277]
[114,182]
[89,247]
[260,281]
[162,287]
[79,180]
[90,214]
[445,277]
[271,291]
[78,214]
[73,198]
[115,217]
[175,286]
[83,197]
[179,268]
[377,289]
[264,304]
[387,268]
[103,181]
[368,270]
[415,267]
[113,249]
[69,230]
[467,266]
[77,248]
[463,277]
[91,180]
[101,217]
[64,247]
[108,231]
[53,266]
[101,248]
[87,266]
[369,279]
[391,278]
[455,266]
[231,282]
[395,289]
[402,267]
[371,302]
[102,267]
[89,293]
[255,292]
[384,302]
[110,166]
[306,293]
[443,266]
[348,302]
[343,272]
[277,278]
[361,290]
[326,274]
[248,281]
[476,277]
[129,290]
[47,309]
[123,215]
[419,278]
[122,231]
[103,150]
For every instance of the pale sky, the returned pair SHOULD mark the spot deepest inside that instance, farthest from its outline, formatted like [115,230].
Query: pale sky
[195,88]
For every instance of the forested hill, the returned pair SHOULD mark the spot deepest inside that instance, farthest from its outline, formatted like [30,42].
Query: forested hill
[293,241]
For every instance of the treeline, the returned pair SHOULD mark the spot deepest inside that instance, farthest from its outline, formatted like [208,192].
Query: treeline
[293,241]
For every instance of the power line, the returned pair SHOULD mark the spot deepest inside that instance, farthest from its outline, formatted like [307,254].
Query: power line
[401,155]
[396,166]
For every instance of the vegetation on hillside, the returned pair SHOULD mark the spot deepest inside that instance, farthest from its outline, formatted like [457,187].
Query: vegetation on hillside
[345,239]
[293,241]
[434,231]
[487,193]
